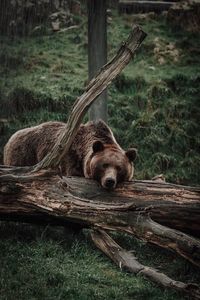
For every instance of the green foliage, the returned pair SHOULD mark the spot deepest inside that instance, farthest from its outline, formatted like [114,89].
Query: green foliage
[161,119]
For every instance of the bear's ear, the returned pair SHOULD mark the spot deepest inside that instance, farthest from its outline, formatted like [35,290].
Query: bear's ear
[131,154]
[97,146]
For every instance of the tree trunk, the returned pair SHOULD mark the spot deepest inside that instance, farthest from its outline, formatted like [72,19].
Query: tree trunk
[97,52]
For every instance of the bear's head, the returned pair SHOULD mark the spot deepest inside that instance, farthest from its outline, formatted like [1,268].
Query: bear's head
[110,165]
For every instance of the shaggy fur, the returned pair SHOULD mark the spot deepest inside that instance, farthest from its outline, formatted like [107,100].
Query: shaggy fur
[93,151]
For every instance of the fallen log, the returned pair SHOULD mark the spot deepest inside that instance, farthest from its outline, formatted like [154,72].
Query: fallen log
[40,194]
[129,208]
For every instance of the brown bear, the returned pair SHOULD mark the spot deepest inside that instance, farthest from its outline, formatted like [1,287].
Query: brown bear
[94,152]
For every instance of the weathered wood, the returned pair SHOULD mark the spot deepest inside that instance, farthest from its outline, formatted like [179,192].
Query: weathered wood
[127,209]
[97,52]
[126,260]
[96,86]
[143,6]
[65,201]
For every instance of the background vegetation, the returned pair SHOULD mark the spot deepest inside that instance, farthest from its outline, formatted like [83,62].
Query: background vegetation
[153,105]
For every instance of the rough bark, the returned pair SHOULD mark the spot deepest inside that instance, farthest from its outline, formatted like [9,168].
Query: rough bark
[129,209]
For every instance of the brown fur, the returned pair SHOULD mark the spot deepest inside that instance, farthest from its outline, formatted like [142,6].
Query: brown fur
[85,158]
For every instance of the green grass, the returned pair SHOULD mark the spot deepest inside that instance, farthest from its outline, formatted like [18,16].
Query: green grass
[47,263]
[152,105]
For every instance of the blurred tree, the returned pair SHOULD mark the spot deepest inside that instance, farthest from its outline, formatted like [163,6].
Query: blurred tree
[97,52]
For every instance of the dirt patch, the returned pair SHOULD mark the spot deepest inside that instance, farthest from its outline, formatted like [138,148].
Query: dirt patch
[165,52]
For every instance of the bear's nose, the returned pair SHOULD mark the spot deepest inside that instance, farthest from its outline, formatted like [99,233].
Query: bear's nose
[110,183]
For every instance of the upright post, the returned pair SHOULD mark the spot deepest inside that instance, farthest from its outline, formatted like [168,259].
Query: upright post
[97,52]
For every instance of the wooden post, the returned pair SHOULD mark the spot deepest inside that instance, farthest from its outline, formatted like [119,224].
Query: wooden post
[97,52]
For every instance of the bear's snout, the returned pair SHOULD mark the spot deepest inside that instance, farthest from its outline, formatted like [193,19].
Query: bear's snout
[109,180]
[110,183]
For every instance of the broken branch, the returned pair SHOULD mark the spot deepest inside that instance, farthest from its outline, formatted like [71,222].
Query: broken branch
[125,259]
[93,90]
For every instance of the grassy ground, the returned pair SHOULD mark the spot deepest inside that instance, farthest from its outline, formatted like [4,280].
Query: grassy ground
[153,105]
[48,263]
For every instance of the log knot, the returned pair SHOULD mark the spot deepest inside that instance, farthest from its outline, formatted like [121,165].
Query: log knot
[9,189]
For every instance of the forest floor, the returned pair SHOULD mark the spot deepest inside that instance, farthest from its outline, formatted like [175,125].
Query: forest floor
[153,105]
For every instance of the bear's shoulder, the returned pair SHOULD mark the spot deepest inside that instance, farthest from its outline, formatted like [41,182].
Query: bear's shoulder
[99,131]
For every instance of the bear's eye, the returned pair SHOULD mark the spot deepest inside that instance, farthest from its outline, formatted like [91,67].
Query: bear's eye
[105,166]
[118,168]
